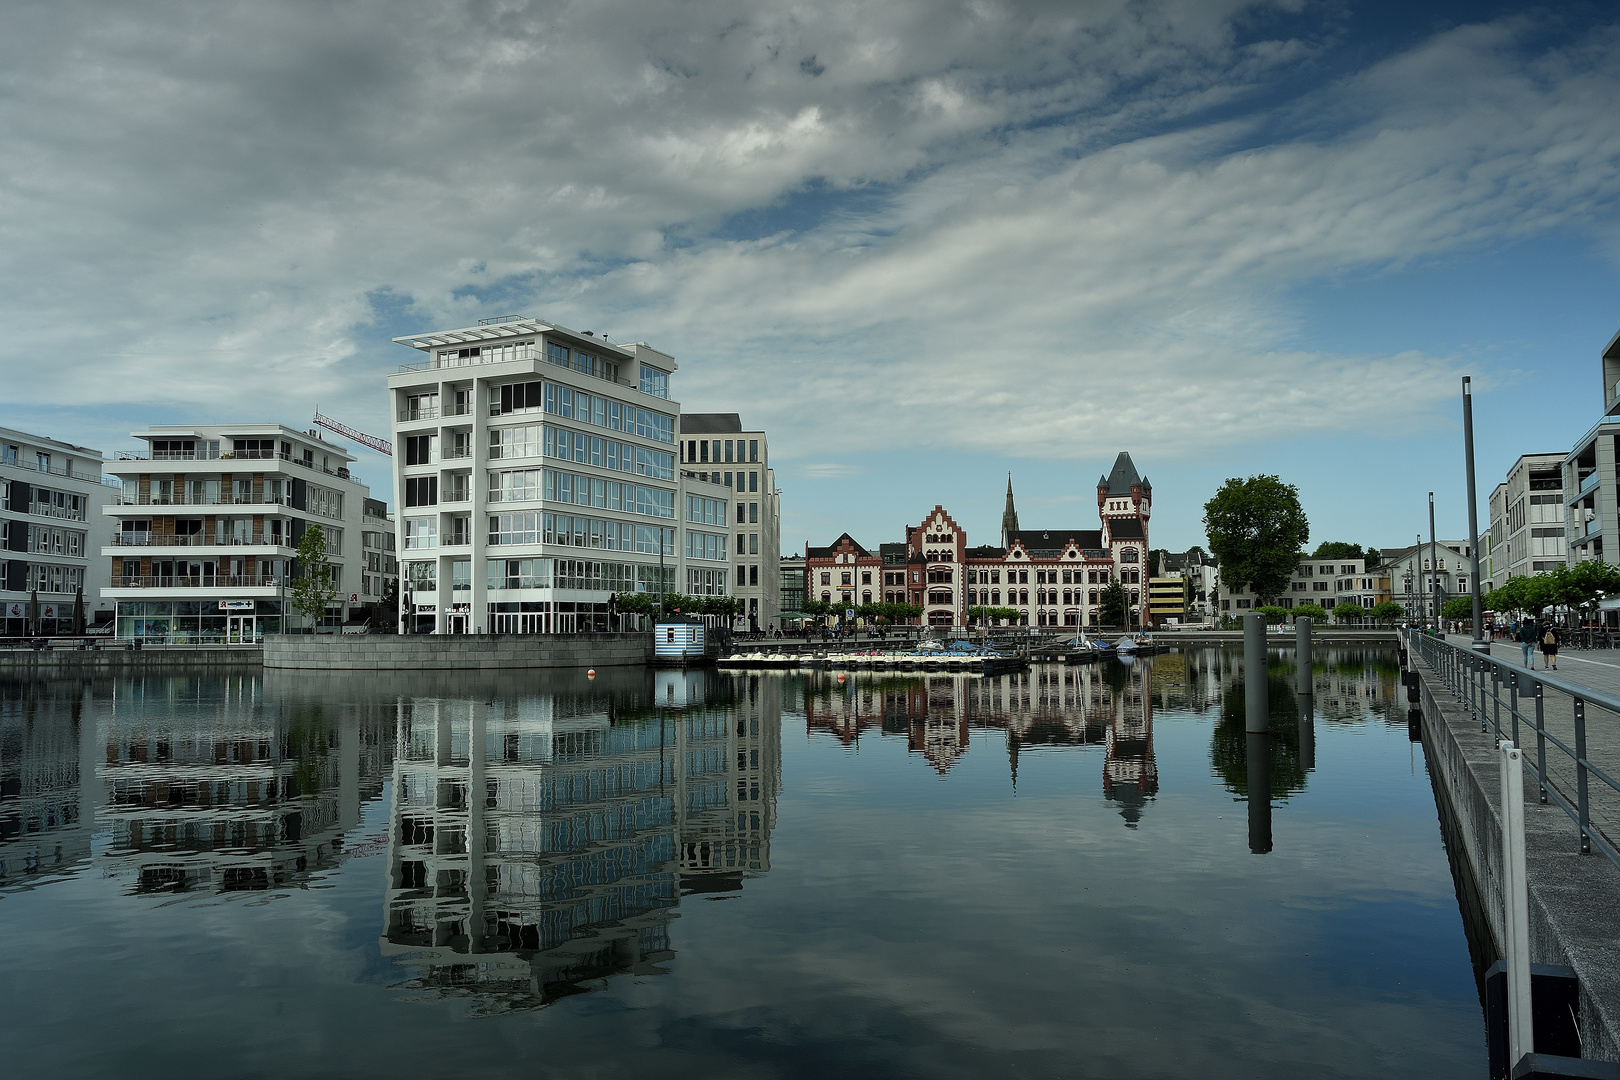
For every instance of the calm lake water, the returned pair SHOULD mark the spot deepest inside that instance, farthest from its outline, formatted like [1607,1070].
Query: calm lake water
[696,874]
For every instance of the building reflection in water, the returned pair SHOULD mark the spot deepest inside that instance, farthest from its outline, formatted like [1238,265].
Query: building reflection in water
[210,786]
[192,782]
[48,787]
[541,841]
[1106,707]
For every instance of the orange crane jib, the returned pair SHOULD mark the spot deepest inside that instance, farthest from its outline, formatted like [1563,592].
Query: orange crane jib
[382,446]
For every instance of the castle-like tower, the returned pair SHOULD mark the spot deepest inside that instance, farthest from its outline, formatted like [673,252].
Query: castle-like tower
[1125,502]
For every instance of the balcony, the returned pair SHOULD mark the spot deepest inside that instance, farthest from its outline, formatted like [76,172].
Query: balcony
[71,474]
[223,498]
[342,472]
[424,413]
[204,581]
[149,539]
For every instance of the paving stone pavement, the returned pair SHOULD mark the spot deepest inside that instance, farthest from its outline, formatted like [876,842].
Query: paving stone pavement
[1597,670]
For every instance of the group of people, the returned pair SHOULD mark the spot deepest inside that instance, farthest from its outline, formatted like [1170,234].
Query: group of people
[1530,633]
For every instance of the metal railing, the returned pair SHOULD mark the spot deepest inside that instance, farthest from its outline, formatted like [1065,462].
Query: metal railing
[341,472]
[1479,681]
[148,539]
[53,470]
[216,498]
[194,581]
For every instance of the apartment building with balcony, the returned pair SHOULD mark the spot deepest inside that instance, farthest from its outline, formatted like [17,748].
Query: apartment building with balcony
[206,524]
[1526,533]
[715,448]
[51,524]
[536,475]
[1591,480]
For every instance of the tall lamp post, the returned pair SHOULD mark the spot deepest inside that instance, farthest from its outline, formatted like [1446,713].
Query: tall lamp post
[1436,591]
[1479,643]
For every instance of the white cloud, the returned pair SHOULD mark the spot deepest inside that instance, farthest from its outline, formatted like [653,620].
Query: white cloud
[997,225]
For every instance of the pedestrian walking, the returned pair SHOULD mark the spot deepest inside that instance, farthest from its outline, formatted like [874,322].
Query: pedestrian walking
[1549,646]
[1526,636]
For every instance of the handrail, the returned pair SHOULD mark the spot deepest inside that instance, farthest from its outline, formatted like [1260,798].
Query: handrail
[1478,680]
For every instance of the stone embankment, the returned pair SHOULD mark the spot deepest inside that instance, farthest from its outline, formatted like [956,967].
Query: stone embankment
[1574,898]
[473,652]
[56,662]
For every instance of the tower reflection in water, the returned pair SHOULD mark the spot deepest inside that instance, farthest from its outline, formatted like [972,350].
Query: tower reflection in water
[541,842]
[1105,707]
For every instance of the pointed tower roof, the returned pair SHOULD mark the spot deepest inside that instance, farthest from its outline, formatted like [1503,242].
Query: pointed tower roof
[1123,477]
[1009,516]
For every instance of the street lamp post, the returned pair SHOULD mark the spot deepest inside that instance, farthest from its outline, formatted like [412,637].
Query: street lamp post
[1434,567]
[1479,642]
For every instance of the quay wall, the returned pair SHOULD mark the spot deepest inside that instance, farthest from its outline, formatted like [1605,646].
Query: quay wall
[109,661]
[1574,918]
[471,652]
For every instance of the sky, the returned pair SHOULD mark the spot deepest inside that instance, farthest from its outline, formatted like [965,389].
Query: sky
[923,245]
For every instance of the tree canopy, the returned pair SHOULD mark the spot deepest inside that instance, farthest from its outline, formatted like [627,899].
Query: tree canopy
[1581,585]
[1111,607]
[1256,529]
[1338,549]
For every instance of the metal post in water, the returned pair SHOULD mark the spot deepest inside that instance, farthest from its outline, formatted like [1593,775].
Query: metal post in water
[1302,654]
[1256,706]
[1257,745]
[1480,644]
[1516,906]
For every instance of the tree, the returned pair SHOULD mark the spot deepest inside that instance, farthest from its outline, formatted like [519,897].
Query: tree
[1337,549]
[1388,611]
[315,587]
[1111,608]
[1315,612]
[1459,609]
[993,614]
[1256,530]
[1275,615]
[388,608]
[1348,612]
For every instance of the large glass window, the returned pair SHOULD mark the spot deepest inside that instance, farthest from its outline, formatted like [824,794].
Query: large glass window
[421,532]
[654,382]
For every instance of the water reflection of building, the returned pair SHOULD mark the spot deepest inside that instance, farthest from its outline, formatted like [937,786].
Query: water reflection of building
[541,843]
[210,787]
[48,786]
[1050,706]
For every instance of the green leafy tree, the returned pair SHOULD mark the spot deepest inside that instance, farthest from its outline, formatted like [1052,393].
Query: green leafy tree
[315,587]
[1388,611]
[1111,606]
[1256,529]
[1337,549]
[1275,615]
[993,615]
[1459,608]
[1348,612]
[1315,612]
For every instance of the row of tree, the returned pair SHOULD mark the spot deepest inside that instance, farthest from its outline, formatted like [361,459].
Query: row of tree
[1388,611]
[642,603]
[1578,586]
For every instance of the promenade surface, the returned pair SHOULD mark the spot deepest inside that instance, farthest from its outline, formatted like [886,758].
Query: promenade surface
[1594,669]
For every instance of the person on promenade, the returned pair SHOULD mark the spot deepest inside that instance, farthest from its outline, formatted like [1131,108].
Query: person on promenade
[1549,645]
[1526,637]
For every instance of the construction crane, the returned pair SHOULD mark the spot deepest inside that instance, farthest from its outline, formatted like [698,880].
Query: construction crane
[382,446]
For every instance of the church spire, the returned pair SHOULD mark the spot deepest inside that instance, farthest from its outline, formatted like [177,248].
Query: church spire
[1009,517]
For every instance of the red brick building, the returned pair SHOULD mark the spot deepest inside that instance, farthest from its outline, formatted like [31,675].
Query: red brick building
[1052,576]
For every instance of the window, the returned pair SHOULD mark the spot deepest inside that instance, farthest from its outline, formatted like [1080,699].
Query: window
[516,398]
[753,513]
[753,543]
[753,451]
[421,532]
[421,491]
[522,440]
[654,382]
[866,577]
[421,449]
[740,511]
[753,481]
[422,576]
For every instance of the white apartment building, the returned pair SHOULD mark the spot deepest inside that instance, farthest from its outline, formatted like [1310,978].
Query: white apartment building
[206,526]
[714,447]
[1324,582]
[1526,534]
[536,475]
[51,495]
[1591,481]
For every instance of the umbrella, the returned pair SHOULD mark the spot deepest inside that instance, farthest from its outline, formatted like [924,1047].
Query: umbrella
[33,612]
[78,611]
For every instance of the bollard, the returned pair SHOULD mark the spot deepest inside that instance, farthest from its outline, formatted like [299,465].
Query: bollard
[1256,706]
[1257,746]
[1516,904]
[1303,683]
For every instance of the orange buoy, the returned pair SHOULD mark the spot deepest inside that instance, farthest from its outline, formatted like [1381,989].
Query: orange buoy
[840,676]
[591,674]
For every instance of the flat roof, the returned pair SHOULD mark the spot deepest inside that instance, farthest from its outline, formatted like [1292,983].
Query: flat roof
[473,335]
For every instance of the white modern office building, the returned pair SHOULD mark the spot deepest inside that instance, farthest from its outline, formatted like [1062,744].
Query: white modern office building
[536,475]
[1591,481]
[207,523]
[51,526]
[1526,534]
[715,448]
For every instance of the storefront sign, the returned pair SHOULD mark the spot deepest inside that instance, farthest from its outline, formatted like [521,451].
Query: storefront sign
[427,609]
[16,611]
[236,605]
